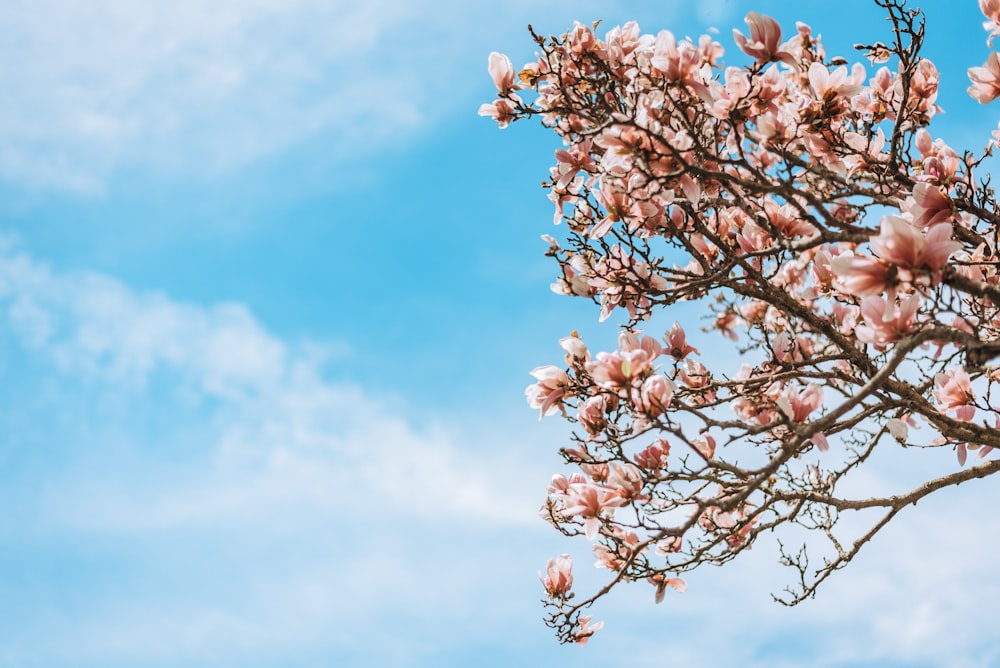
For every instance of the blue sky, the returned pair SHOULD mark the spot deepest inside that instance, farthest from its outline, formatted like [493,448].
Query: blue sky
[269,295]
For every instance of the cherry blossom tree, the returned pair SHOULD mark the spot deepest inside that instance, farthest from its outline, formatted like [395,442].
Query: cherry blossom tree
[848,255]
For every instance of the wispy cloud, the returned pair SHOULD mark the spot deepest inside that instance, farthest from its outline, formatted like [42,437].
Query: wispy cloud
[202,87]
[281,502]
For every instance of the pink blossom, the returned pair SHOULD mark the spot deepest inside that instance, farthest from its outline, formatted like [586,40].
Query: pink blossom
[560,484]
[985,80]
[798,404]
[678,62]
[930,206]
[953,392]
[655,395]
[624,547]
[630,341]
[991,10]
[502,72]
[654,457]
[587,629]
[625,479]
[727,322]
[661,583]
[677,345]
[591,414]
[589,501]
[576,349]
[827,85]
[902,244]
[860,275]
[614,371]
[547,394]
[572,161]
[764,41]
[558,578]
[501,111]
[886,323]
[704,446]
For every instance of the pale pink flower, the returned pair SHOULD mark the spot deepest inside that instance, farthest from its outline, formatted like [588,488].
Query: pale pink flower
[547,394]
[819,440]
[765,39]
[615,559]
[558,578]
[727,322]
[589,502]
[591,414]
[902,244]
[614,371]
[678,62]
[587,629]
[576,349]
[898,429]
[560,484]
[654,457]
[625,479]
[953,392]
[655,395]
[502,111]
[661,583]
[630,341]
[991,10]
[887,322]
[694,374]
[930,206]
[827,85]
[570,162]
[704,446]
[985,80]
[502,72]
[798,404]
[860,275]
[677,345]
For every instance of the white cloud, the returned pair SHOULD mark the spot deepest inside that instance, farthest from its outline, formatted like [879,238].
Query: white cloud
[190,86]
[283,431]
[310,503]
[195,88]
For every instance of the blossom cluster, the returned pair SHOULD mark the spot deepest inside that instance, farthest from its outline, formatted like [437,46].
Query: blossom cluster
[848,253]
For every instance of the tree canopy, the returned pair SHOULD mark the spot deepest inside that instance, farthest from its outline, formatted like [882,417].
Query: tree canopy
[848,254]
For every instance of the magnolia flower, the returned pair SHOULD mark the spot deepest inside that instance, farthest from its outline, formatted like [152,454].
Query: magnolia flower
[902,244]
[953,392]
[860,275]
[575,348]
[655,395]
[677,345]
[985,80]
[547,394]
[991,10]
[654,457]
[827,85]
[887,322]
[930,206]
[661,583]
[796,404]
[502,73]
[764,41]
[615,371]
[587,629]
[589,502]
[558,578]
[591,414]
[501,111]
[615,559]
